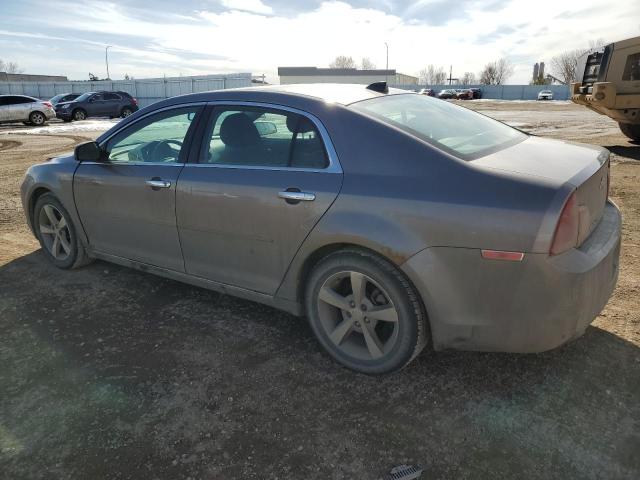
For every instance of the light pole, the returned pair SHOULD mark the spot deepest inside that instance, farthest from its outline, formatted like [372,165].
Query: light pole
[387,45]
[106,59]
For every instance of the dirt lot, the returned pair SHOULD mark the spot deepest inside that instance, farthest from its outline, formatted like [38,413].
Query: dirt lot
[112,373]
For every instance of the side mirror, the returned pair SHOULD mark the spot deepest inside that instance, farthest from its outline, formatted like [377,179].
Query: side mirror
[265,128]
[88,152]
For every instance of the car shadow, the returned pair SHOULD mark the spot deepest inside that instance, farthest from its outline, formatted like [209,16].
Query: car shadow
[631,152]
[108,372]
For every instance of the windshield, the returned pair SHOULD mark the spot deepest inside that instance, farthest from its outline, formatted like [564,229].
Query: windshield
[57,98]
[456,130]
[84,96]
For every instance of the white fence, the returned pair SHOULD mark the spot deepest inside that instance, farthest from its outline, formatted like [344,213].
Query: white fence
[146,90]
[506,92]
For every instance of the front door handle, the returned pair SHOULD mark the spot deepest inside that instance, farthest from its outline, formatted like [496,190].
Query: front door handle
[297,196]
[156,183]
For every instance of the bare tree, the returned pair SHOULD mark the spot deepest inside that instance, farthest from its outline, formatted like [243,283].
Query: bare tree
[367,64]
[10,67]
[432,75]
[469,78]
[564,65]
[342,61]
[497,72]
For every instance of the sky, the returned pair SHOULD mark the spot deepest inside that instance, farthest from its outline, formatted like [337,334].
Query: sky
[196,37]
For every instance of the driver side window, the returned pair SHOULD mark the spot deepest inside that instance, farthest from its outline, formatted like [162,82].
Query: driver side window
[156,139]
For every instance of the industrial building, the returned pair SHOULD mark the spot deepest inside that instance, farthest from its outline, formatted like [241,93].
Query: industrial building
[343,75]
[27,77]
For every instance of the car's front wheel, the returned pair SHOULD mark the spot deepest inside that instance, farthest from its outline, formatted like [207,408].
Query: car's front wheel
[79,115]
[37,118]
[57,234]
[365,313]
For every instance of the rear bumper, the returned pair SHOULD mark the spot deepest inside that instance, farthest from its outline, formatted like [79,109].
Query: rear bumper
[529,306]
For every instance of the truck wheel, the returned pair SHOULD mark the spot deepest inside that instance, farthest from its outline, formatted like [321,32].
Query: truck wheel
[631,130]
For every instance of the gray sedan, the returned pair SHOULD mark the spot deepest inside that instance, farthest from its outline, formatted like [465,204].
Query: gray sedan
[25,109]
[389,219]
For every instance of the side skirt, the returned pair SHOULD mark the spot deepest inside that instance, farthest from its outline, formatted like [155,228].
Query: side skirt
[292,307]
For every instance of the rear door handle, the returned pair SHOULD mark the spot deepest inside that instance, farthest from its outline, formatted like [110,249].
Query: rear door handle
[157,183]
[297,196]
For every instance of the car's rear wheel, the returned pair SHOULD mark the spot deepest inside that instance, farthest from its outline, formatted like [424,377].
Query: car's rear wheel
[79,114]
[37,118]
[631,130]
[126,111]
[57,234]
[364,312]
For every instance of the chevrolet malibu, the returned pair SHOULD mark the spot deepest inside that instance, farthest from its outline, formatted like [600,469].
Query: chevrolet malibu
[389,219]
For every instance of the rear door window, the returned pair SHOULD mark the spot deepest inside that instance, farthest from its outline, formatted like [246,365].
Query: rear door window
[111,96]
[262,137]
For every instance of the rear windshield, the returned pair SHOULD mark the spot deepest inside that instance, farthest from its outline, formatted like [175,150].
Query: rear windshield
[456,130]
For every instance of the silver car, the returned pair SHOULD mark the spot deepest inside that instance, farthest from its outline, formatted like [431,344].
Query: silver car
[25,109]
[389,219]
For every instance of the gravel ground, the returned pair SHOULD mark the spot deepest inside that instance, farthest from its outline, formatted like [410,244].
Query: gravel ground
[112,373]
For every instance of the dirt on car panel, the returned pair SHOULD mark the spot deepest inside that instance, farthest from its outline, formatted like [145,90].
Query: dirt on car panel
[112,373]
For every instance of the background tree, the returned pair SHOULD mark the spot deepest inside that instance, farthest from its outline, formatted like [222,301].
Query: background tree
[564,64]
[342,61]
[10,67]
[497,72]
[432,75]
[367,64]
[469,78]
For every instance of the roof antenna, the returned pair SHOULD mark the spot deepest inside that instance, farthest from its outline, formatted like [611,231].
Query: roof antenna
[380,87]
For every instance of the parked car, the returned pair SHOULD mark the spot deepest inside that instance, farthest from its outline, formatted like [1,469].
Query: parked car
[448,93]
[25,109]
[477,93]
[389,219]
[63,97]
[465,94]
[97,104]
[545,95]
[427,91]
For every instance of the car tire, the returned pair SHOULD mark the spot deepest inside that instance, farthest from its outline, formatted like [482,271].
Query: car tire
[631,130]
[37,118]
[57,234]
[79,115]
[381,335]
[126,111]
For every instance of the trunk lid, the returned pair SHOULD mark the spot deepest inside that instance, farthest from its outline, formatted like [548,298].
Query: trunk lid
[585,167]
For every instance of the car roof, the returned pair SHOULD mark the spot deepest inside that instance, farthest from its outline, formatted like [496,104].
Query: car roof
[338,93]
[19,95]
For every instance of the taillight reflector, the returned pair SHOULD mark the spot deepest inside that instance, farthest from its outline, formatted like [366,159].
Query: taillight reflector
[501,255]
[566,234]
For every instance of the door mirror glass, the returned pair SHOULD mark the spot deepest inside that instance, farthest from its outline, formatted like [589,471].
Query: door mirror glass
[266,128]
[88,152]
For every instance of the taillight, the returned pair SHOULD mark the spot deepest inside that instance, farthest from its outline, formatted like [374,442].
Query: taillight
[47,104]
[135,101]
[566,234]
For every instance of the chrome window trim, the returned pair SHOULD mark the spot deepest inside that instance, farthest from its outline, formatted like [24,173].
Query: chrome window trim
[137,164]
[334,164]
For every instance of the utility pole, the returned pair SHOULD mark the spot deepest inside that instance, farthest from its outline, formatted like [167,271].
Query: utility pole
[450,71]
[387,45]
[106,59]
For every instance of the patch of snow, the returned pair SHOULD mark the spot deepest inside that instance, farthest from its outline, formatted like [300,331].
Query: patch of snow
[91,125]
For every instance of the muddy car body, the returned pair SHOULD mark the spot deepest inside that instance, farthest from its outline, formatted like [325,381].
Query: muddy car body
[392,221]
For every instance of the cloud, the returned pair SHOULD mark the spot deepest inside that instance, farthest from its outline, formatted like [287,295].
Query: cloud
[253,6]
[244,35]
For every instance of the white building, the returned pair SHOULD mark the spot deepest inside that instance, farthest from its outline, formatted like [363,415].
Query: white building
[290,75]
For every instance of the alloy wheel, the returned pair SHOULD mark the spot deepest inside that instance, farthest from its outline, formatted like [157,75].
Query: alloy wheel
[37,118]
[79,115]
[55,232]
[358,315]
